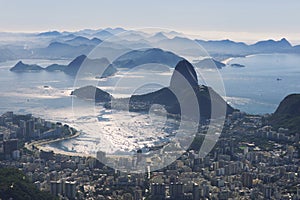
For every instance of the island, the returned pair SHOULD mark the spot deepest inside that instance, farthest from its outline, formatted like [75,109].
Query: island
[22,67]
[209,63]
[185,89]
[92,93]
[144,56]
[237,65]
[100,67]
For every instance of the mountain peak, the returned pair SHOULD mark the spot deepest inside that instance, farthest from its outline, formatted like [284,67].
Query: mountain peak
[115,31]
[97,66]
[143,56]
[184,71]
[22,67]
[50,33]
[285,41]
[159,36]
[75,64]
[103,34]
[94,39]
[79,59]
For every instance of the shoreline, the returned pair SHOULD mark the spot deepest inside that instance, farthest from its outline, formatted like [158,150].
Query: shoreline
[39,145]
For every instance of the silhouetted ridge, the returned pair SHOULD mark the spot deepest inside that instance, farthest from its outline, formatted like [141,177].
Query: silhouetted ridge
[287,115]
[22,67]
[99,66]
[92,93]
[290,105]
[74,66]
[209,63]
[184,69]
[183,88]
[135,58]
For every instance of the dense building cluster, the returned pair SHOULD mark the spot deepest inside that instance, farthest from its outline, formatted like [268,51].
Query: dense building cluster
[249,161]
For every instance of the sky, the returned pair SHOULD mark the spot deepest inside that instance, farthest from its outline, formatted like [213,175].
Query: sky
[212,19]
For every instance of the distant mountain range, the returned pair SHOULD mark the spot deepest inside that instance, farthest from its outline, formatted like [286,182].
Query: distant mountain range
[129,60]
[184,84]
[103,34]
[67,45]
[68,49]
[232,49]
[100,67]
[50,34]
[79,40]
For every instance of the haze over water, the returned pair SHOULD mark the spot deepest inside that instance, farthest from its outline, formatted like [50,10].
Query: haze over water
[256,88]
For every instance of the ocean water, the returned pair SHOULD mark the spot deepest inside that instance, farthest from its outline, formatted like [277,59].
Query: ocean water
[265,80]
[256,88]
[25,92]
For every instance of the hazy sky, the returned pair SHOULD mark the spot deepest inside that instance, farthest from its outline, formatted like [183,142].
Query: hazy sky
[235,19]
